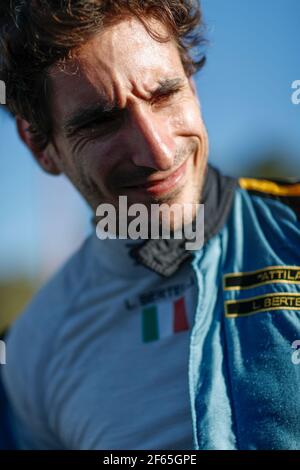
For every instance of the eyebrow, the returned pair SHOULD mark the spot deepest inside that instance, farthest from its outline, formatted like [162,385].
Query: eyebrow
[103,110]
[166,86]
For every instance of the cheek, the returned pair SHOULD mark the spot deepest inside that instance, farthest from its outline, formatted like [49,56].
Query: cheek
[97,162]
[84,165]
[100,162]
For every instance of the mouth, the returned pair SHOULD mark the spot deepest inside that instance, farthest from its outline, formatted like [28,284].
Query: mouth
[161,186]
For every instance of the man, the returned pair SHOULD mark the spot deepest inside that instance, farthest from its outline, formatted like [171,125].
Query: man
[147,346]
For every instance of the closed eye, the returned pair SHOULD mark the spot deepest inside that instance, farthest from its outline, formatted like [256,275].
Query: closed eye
[103,124]
[161,98]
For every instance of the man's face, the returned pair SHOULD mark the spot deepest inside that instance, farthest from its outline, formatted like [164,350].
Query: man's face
[127,120]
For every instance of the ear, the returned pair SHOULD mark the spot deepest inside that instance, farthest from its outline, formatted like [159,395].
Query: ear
[45,158]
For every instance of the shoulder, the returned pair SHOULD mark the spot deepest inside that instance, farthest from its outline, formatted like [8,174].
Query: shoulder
[262,219]
[30,337]
[279,197]
[264,222]
[57,295]
[242,201]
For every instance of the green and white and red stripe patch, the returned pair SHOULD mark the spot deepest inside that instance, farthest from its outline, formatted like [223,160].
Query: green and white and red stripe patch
[164,319]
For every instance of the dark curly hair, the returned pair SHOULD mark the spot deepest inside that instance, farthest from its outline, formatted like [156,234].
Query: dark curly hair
[35,34]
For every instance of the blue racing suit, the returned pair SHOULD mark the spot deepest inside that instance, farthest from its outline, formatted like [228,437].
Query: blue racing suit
[244,366]
[94,363]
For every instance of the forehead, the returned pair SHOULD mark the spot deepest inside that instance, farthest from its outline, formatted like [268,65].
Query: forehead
[121,61]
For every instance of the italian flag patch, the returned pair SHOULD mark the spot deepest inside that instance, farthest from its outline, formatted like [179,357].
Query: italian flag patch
[164,319]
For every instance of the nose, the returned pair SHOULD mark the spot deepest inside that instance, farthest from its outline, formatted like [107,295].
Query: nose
[151,142]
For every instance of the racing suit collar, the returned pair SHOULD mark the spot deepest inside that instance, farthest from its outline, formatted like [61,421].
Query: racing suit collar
[165,257]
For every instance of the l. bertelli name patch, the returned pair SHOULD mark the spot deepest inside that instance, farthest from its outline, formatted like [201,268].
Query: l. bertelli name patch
[269,275]
[262,303]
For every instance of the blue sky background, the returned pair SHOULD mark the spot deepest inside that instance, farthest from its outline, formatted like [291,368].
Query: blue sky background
[245,93]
